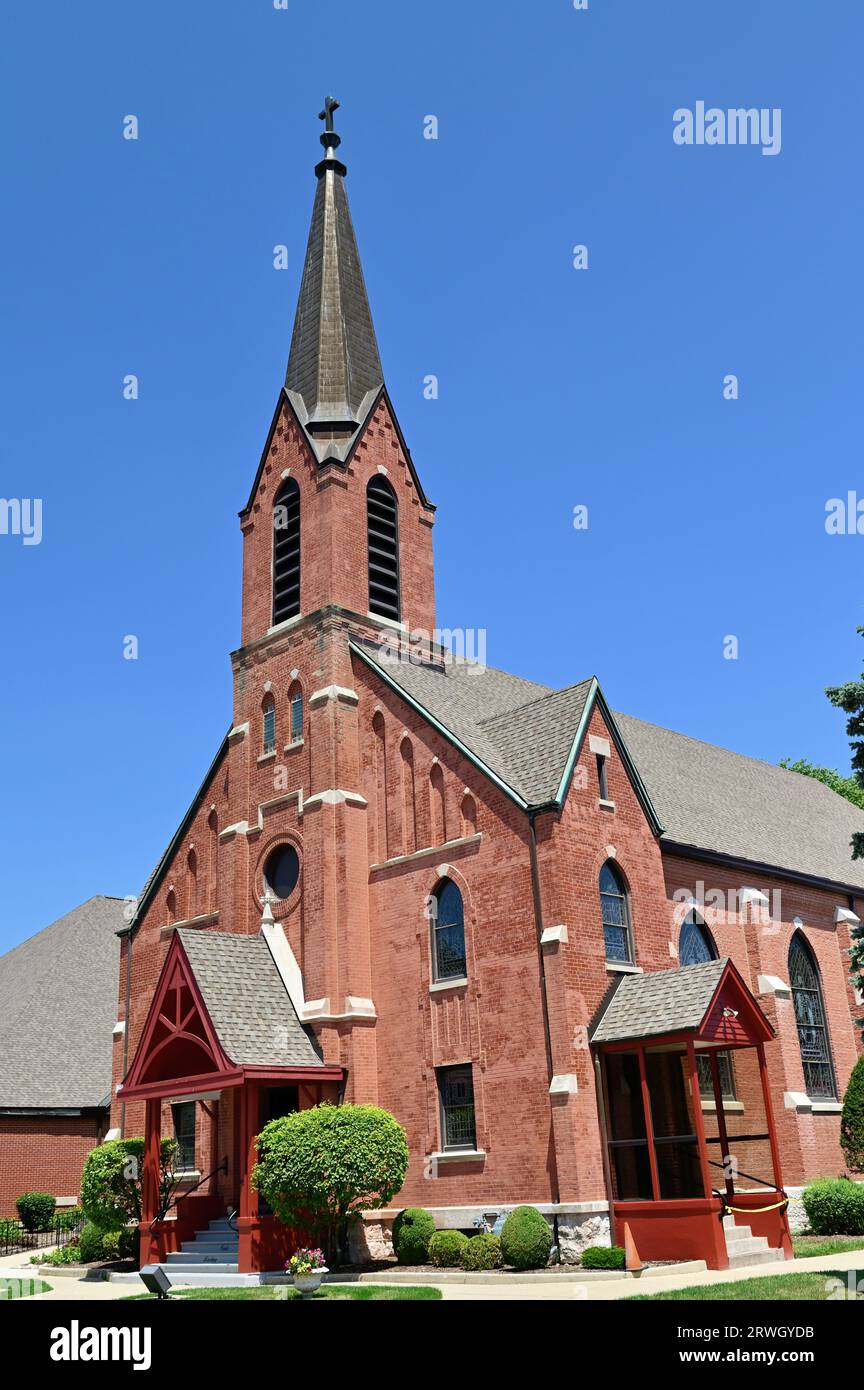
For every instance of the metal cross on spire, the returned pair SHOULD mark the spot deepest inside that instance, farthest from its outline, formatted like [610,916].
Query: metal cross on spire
[330,105]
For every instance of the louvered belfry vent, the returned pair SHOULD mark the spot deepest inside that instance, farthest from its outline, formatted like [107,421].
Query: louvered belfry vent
[286,552]
[383,540]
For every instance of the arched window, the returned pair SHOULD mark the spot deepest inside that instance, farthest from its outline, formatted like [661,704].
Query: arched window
[286,552]
[268,725]
[448,932]
[813,1041]
[437,806]
[295,707]
[615,909]
[192,883]
[468,816]
[409,808]
[382,534]
[171,905]
[695,945]
[379,757]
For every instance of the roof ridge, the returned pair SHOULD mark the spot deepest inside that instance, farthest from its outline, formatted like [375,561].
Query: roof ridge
[517,709]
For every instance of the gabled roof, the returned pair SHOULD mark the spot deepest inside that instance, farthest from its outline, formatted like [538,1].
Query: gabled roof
[524,736]
[709,798]
[709,1000]
[246,999]
[58,1006]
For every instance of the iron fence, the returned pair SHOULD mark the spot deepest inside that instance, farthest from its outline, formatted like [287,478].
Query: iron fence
[65,1227]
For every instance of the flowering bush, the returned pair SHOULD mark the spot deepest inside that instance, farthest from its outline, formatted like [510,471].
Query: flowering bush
[305,1261]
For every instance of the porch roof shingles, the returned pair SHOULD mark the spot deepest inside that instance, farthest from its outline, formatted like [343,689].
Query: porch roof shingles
[665,1001]
[247,1001]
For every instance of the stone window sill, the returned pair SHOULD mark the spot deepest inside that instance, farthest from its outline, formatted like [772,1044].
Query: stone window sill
[267,757]
[458,982]
[734,1106]
[605,804]
[189,1175]
[460,1156]
[622,967]
[289,747]
[827,1107]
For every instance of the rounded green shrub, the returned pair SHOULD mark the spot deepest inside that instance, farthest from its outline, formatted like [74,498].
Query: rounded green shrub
[92,1243]
[835,1207]
[112,1177]
[36,1210]
[603,1257]
[526,1239]
[852,1119]
[412,1231]
[446,1247]
[482,1252]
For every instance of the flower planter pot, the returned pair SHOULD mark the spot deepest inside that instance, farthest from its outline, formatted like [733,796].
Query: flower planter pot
[308,1283]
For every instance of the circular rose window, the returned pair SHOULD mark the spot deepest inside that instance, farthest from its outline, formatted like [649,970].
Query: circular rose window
[281,871]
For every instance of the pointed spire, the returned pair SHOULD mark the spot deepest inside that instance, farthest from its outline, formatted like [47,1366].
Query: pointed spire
[334,370]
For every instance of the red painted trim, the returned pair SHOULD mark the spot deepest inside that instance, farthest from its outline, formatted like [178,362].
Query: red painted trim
[183,1086]
[769,1116]
[699,1123]
[324,1073]
[649,1126]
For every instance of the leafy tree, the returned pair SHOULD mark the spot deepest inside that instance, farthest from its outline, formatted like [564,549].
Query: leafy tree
[319,1168]
[112,1177]
[852,1119]
[850,698]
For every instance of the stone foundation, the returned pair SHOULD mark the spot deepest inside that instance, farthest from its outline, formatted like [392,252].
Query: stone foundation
[576,1231]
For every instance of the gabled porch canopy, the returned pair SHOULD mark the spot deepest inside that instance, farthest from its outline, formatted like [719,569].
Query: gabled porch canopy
[656,1040]
[220,1015]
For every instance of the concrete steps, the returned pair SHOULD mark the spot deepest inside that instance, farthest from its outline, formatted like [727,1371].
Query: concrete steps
[746,1249]
[211,1259]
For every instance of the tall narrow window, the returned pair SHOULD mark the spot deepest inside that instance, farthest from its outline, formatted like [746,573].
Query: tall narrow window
[695,945]
[286,552]
[268,725]
[615,910]
[379,755]
[437,811]
[409,811]
[295,704]
[456,1092]
[382,532]
[448,932]
[601,777]
[184,1132]
[819,1079]
[192,883]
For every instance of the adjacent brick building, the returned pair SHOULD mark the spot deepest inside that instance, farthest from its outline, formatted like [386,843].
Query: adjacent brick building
[454,865]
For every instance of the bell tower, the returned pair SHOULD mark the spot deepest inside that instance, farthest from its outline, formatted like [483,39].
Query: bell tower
[337,515]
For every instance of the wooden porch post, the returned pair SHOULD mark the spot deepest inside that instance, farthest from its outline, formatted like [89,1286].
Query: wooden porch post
[649,1126]
[769,1117]
[697,1117]
[151,1166]
[249,1105]
[721,1124]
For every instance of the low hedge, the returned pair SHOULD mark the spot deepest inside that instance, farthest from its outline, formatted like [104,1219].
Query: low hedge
[526,1240]
[412,1231]
[36,1210]
[603,1257]
[835,1207]
[482,1252]
[92,1243]
[446,1247]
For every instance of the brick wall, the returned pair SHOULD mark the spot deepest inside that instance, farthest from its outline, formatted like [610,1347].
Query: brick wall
[44,1153]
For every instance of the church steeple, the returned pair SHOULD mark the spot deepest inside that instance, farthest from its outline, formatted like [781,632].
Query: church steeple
[334,370]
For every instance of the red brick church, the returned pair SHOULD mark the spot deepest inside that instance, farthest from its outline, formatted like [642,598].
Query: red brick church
[588,963]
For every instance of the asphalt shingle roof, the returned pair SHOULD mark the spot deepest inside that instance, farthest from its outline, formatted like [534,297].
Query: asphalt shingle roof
[712,799]
[246,999]
[706,797]
[58,1006]
[665,1001]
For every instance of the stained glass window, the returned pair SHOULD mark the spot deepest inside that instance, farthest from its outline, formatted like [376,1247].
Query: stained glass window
[615,911]
[448,932]
[813,1042]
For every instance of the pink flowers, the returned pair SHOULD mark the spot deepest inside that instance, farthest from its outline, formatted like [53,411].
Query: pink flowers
[305,1261]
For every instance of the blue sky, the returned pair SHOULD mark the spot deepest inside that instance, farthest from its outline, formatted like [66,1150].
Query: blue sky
[601,387]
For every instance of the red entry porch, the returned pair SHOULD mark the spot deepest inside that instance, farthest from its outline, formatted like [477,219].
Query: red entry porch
[687,1117]
[222,1032]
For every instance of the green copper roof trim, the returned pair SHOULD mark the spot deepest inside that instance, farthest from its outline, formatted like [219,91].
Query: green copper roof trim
[440,728]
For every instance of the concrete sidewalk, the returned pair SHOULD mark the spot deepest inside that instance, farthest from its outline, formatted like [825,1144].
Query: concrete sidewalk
[560,1288]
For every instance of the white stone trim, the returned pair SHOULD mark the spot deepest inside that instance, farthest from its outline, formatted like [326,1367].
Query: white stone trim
[333,796]
[119,1028]
[111,1135]
[845,914]
[772,984]
[605,804]
[549,935]
[334,692]
[239,731]
[459,1156]
[319,1011]
[754,897]
[288,622]
[206,919]
[285,961]
[827,1107]
[798,1100]
[431,849]
[623,967]
[600,746]
[564,1085]
[458,982]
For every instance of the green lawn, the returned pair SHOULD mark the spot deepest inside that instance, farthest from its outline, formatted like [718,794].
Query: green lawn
[794,1288]
[805,1246]
[284,1293]
[18,1288]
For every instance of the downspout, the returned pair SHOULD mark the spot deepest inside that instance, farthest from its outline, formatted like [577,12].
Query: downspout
[547,1032]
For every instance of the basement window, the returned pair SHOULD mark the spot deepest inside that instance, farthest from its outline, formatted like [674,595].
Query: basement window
[456,1093]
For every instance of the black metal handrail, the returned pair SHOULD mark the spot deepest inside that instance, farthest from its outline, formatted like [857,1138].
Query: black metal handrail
[173,1201]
